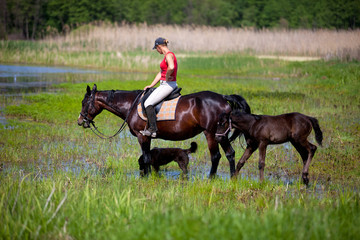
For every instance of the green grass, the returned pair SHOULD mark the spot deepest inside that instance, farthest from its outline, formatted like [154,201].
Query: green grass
[113,206]
[60,181]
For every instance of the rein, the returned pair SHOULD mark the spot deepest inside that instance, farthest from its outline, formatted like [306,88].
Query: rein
[226,132]
[122,127]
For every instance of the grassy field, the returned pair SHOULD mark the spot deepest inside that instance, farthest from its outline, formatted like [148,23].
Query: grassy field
[59,181]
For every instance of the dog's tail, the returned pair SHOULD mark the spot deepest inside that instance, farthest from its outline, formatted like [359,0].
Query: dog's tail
[193,148]
[316,127]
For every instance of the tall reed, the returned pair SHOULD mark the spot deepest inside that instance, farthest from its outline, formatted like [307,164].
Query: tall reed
[124,37]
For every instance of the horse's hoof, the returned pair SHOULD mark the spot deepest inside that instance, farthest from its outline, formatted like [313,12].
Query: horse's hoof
[306,181]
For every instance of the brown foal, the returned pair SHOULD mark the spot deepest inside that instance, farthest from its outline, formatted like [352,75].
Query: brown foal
[262,130]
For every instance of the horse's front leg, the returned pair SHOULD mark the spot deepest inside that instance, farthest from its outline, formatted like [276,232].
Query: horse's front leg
[214,152]
[230,155]
[262,155]
[246,155]
[145,143]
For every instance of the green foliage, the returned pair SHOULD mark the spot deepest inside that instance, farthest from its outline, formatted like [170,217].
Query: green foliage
[37,18]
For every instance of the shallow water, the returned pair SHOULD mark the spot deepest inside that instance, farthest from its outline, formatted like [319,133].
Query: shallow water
[46,168]
[19,80]
[15,79]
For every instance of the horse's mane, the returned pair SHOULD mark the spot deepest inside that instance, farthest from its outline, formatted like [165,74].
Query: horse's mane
[238,112]
[111,93]
[123,91]
[237,102]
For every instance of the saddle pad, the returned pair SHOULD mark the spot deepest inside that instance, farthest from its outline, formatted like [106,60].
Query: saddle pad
[166,112]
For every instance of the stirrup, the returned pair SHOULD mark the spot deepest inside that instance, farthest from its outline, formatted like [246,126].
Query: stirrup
[146,132]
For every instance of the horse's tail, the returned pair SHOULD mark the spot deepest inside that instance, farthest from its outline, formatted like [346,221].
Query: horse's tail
[237,102]
[316,127]
[193,148]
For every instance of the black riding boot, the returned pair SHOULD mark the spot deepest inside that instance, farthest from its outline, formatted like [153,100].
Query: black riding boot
[151,116]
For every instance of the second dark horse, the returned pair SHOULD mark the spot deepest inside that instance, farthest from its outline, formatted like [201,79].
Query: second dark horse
[262,130]
[195,113]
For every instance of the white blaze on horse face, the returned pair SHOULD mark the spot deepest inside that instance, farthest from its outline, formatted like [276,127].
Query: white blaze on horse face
[80,118]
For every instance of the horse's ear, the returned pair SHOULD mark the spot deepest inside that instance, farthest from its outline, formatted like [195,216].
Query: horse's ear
[224,116]
[88,91]
[94,88]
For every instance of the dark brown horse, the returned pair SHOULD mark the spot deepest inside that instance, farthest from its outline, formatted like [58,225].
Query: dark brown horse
[195,113]
[262,130]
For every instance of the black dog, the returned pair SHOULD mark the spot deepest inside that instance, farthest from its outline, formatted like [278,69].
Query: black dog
[162,156]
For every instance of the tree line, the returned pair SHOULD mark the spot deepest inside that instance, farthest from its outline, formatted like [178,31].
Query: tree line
[32,19]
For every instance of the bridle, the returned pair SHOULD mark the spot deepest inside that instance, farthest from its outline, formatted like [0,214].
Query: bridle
[92,123]
[86,119]
[226,131]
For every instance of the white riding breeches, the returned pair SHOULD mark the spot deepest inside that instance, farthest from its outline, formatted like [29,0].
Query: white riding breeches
[160,93]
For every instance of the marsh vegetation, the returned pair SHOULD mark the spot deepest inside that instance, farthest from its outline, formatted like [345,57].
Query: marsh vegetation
[61,181]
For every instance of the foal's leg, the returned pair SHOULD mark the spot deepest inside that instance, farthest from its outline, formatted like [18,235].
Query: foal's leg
[305,174]
[248,152]
[262,155]
[230,155]
[307,151]
[214,152]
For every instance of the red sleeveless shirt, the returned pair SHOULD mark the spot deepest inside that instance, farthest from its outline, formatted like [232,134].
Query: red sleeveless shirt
[164,66]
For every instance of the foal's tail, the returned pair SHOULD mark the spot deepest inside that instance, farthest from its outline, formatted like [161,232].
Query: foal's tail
[193,148]
[237,102]
[318,132]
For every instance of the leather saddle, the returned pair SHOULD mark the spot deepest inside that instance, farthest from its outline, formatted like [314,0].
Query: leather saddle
[174,94]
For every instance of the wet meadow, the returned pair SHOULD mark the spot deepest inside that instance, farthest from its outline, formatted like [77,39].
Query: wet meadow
[60,181]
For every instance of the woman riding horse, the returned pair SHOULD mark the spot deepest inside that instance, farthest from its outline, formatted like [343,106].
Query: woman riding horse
[167,78]
[195,113]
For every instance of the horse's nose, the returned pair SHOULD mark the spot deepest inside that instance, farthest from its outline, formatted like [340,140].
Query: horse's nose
[218,138]
[80,121]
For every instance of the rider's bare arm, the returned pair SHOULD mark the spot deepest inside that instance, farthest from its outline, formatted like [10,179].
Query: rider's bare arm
[171,66]
[156,80]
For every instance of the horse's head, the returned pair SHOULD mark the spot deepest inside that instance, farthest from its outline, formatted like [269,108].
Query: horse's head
[223,126]
[88,110]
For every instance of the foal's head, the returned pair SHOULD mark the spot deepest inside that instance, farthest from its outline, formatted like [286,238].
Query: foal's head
[223,127]
[88,110]
[242,119]
[238,120]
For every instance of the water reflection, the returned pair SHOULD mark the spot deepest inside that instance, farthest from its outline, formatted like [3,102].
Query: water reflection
[20,78]
[16,71]
[25,79]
